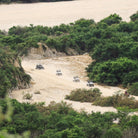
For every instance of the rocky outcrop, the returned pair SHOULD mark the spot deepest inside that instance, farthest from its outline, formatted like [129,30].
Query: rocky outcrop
[43,51]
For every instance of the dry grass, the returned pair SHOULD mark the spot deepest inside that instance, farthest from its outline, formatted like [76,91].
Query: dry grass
[37,92]
[118,100]
[130,133]
[61,107]
[32,83]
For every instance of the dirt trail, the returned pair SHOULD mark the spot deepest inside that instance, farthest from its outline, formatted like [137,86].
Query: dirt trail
[54,88]
[55,13]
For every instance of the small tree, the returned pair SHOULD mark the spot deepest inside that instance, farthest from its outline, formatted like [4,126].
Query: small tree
[134,17]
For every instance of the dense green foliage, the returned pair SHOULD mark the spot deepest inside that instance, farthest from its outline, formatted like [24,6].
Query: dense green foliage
[113,72]
[134,17]
[112,43]
[116,56]
[29,1]
[61,121]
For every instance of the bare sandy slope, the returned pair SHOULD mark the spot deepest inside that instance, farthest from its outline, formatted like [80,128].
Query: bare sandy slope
[63,12]
[54,88]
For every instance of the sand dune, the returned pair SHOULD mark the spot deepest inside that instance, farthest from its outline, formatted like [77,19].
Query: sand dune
[51,14]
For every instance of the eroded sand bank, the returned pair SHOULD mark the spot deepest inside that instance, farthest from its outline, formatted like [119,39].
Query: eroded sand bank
[63,12]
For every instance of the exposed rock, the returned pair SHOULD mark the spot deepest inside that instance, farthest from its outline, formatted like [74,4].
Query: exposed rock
[43,51]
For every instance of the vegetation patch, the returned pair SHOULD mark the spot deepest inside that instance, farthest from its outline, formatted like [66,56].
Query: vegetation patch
[28,96]
[11,75]
[118,100]
[84,95]
[60,120]
[113,72]
[133,89]
[94,95]
[126,109]
[37,92]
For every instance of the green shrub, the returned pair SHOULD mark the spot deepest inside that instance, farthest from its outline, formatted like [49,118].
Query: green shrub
[84,95]
[133,89]
[126,109]
[134,17]
[112,19]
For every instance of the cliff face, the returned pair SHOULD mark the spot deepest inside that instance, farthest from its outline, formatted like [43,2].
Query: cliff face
[22,78]
[43,51]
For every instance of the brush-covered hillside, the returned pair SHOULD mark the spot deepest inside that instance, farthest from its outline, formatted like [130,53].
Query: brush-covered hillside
[12,74]
[112,44]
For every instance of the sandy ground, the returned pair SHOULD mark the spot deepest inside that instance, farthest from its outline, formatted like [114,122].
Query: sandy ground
[54,88]
[51,14]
